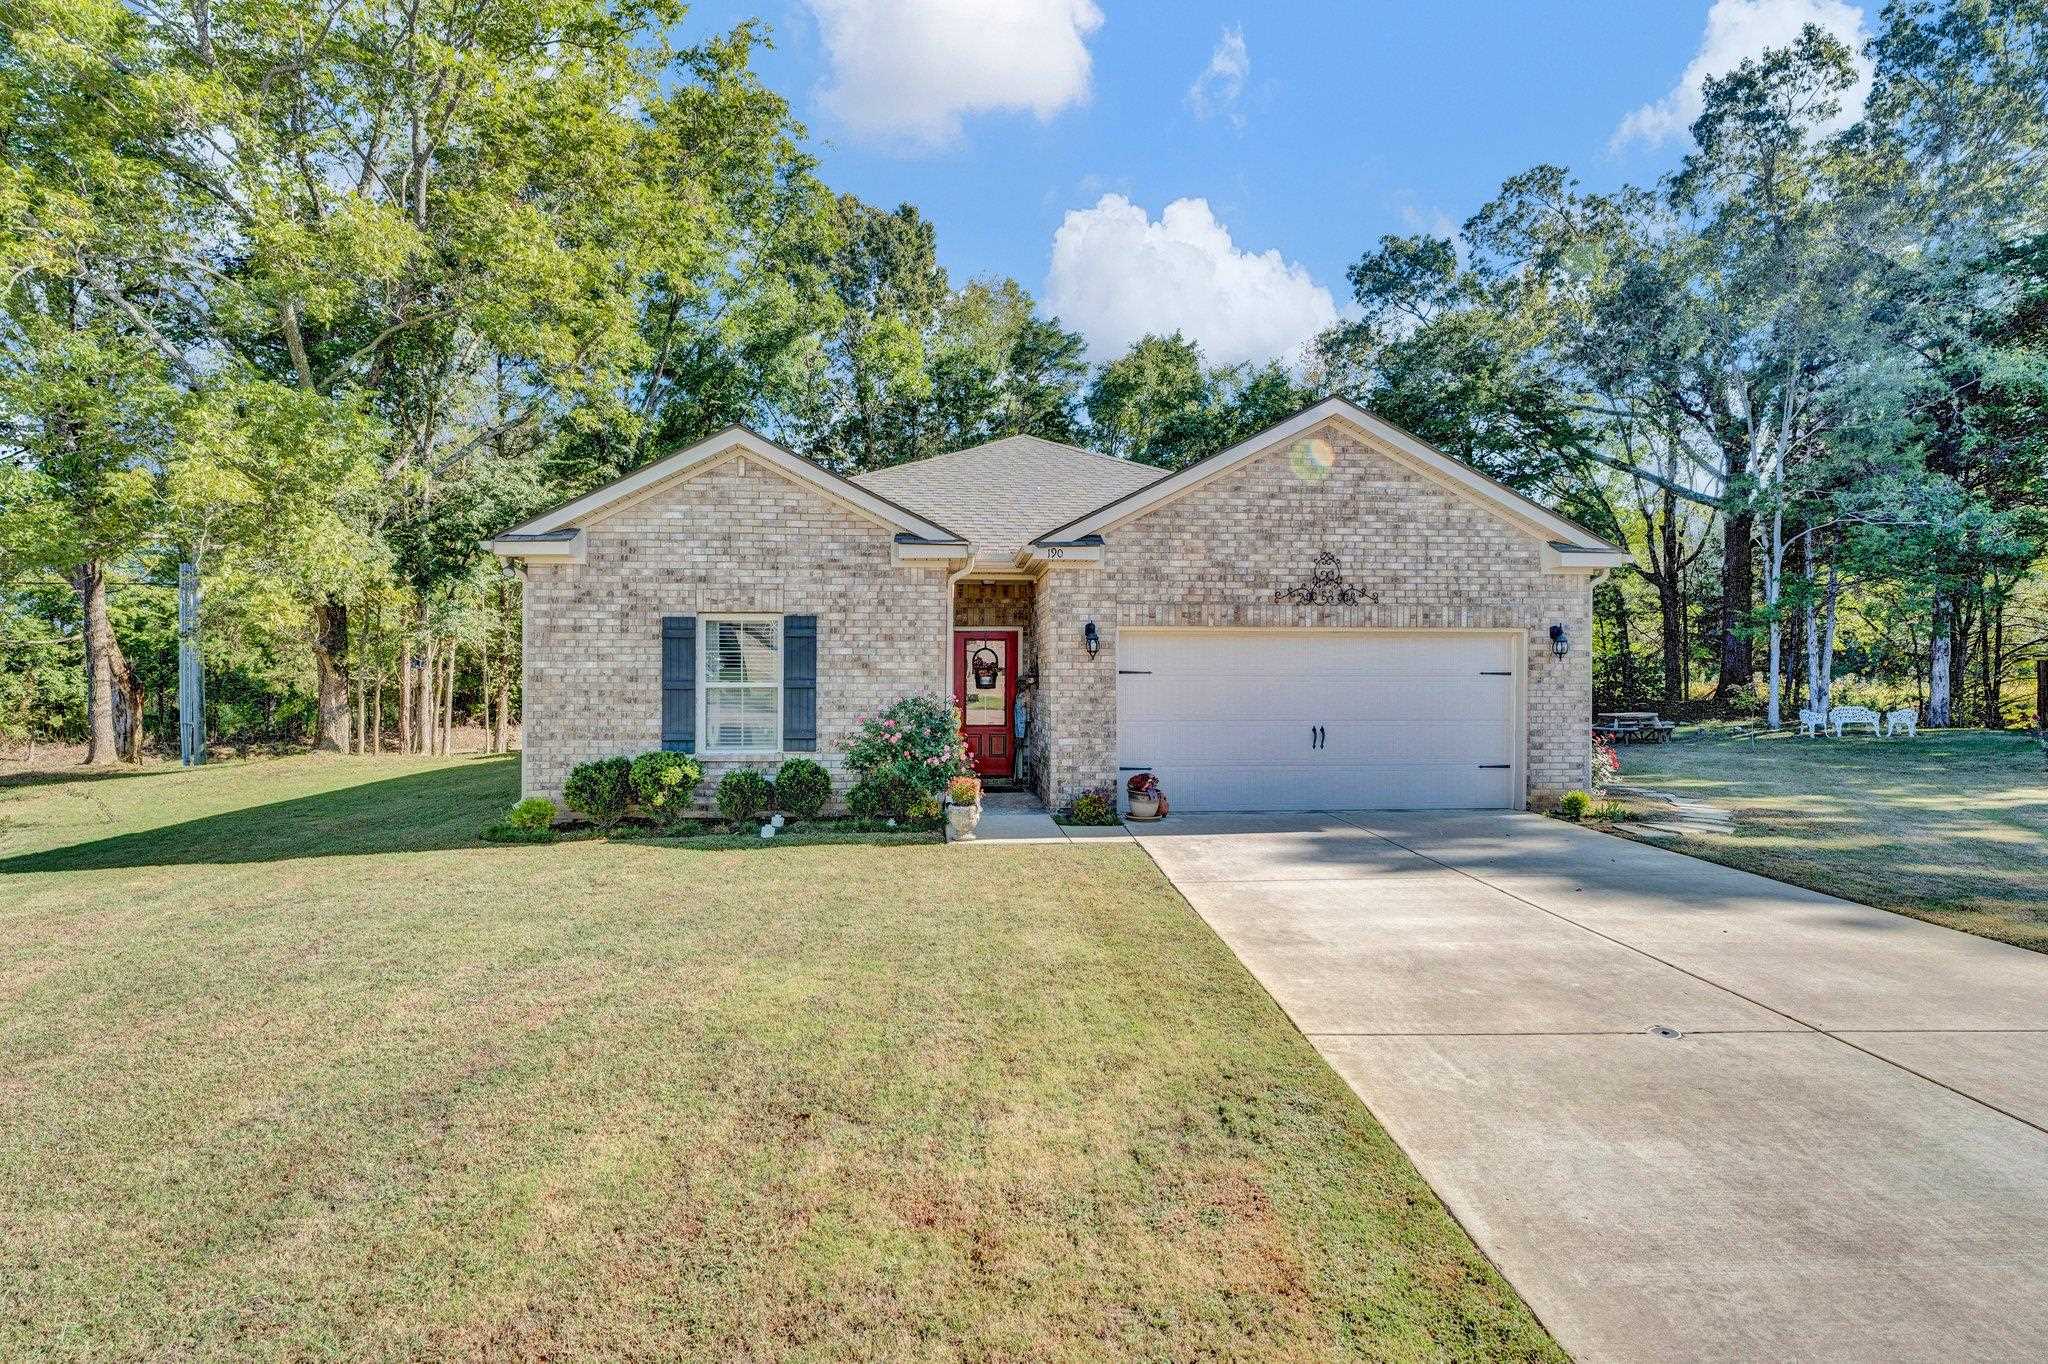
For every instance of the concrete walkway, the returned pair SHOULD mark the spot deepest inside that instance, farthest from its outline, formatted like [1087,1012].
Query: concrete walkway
[1690,1112]
[1018,817]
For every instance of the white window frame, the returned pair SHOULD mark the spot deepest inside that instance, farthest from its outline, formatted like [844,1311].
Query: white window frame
[706,630]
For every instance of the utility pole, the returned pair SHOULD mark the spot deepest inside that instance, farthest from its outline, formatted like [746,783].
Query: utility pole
[191,675]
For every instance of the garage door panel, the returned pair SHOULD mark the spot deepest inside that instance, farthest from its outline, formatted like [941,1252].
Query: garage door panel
[1252,741]
[1194,787]
[1410,720]
[1329,697]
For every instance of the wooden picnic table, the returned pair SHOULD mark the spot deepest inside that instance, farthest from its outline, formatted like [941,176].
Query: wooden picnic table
[1630,724]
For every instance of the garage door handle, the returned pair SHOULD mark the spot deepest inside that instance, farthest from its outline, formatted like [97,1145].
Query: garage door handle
[1489,767]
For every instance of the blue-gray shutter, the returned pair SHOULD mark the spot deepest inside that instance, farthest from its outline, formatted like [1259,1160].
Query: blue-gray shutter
[800,682]
[679,684]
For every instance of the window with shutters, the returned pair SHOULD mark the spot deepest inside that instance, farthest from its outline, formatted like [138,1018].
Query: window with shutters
[740,684]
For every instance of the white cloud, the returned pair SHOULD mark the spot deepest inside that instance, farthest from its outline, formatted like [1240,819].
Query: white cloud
[1117,275]
[906,71]
[1738,30]
[1221,84]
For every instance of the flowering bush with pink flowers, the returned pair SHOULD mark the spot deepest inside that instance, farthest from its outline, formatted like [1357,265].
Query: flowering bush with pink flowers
[1606,762]
[917,739]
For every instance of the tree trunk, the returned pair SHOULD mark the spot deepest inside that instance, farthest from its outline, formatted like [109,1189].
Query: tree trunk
[1774,585]
[501,729]
[448,700]
[405,697]
[104,667]
[1738,590]
[423,704]
[1987,671]
[330,643]
[377,718]
[1671,603]
[1824,694]
[1937,663]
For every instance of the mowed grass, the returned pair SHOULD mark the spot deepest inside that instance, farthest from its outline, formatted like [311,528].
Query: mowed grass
[1951,826]
[293,1068]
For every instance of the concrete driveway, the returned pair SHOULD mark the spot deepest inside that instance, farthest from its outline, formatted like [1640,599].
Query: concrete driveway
[1841,1155]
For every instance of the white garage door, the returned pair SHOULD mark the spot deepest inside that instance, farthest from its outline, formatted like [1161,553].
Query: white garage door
[1319,720]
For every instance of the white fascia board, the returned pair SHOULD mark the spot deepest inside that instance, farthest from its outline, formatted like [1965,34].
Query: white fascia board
[711,449]
[1564,558]
[511,545]
[1047,555]
[939,552]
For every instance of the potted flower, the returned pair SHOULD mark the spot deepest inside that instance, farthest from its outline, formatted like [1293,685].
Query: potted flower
[1143,796]
[963,807]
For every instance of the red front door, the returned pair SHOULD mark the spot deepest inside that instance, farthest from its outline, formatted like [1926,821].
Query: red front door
[985,693]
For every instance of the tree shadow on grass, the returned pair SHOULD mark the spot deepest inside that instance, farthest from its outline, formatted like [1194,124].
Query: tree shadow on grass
[58,776]
[418,812]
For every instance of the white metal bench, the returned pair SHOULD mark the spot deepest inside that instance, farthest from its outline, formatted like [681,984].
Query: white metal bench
[1853,715]
[1812,722]
[1896,720]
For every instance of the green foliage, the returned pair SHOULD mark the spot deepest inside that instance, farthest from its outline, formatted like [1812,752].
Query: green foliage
[1161,403]
[663,784]
[1574,804]
[917,739]
[964,791]
[600,790]
[743,794]
[802,787]
[535,812]
[882,794]
[506,831]
[1096,806]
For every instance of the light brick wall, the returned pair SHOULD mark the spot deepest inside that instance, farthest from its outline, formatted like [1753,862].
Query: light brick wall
[1216,557]
[738,537]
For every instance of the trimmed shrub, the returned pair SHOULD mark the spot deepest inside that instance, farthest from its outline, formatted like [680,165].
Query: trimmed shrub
[535,812]
[887,794]
[802,787]
[530,821]
[1097,806]
[600,790]
[663,784]
[743,794]
[924,810]
[1574,804]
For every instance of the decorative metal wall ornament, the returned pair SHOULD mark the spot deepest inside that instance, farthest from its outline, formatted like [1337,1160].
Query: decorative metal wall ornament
[1325,587]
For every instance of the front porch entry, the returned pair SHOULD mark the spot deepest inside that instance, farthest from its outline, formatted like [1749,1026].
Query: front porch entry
[994,676]
[985,694]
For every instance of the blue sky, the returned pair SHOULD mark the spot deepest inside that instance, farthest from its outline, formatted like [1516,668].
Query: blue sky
[1316,129]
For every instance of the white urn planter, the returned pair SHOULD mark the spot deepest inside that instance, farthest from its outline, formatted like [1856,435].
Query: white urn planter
[960,821]
[1144,807]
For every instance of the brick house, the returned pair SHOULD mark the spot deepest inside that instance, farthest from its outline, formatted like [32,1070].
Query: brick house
[1330,615]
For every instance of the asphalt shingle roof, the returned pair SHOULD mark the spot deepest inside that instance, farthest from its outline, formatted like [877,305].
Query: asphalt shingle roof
[1006,493]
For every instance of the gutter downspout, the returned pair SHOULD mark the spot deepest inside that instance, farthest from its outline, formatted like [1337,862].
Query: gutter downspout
[946,634]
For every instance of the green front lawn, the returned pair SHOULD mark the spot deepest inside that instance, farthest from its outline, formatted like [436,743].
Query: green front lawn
[294,1067]
[1951,827]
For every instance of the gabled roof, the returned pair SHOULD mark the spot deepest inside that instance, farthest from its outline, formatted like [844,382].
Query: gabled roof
[1568,540]
[1002,494]
[872,503]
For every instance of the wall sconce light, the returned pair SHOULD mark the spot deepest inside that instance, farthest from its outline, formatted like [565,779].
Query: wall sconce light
[1091,637]
[1559,645]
